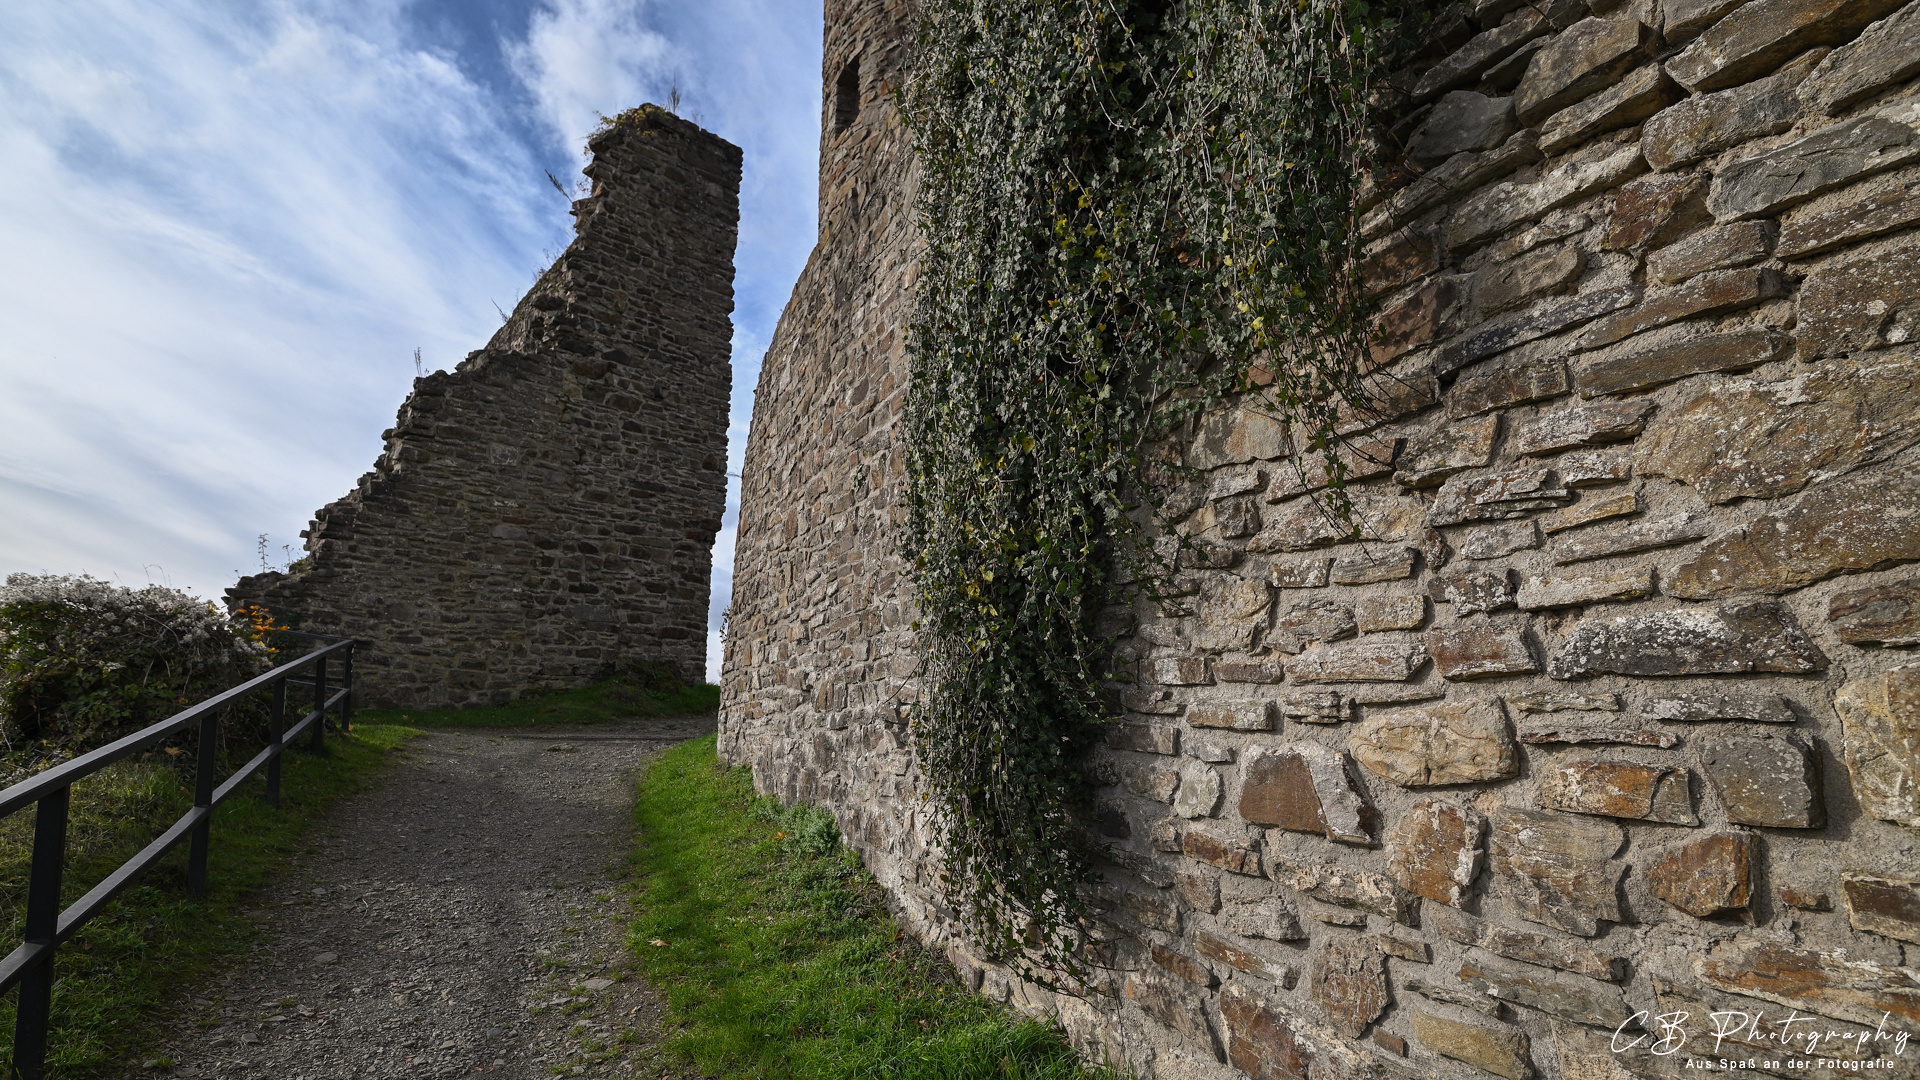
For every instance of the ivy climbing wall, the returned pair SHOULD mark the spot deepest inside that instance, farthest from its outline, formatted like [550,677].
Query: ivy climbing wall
[1612,713]
[548,507]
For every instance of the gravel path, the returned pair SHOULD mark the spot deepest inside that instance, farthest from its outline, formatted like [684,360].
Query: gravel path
[461,919]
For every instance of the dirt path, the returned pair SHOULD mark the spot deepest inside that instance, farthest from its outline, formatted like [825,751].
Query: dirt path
[462,919]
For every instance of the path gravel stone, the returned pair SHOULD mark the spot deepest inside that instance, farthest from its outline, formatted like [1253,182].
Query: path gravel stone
[463,918]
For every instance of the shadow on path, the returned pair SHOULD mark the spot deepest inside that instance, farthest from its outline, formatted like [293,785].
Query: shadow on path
[460,919]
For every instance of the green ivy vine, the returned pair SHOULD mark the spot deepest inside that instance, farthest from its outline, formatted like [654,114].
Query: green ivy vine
[1131,211]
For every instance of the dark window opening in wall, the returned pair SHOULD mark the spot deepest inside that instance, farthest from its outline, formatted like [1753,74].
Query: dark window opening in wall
[846,95]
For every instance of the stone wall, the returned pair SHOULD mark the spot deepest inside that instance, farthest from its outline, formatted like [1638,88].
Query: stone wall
[549,506]
[1613,714]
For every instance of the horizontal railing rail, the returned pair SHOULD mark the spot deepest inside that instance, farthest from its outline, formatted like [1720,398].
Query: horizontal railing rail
[30,966]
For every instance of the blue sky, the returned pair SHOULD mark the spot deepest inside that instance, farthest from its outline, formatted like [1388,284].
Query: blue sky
[227,226]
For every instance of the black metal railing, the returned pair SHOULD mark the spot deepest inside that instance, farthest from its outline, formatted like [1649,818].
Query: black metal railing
[31,965]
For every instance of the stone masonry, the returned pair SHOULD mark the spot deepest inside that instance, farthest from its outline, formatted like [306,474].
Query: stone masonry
[1599,754]
[549,506]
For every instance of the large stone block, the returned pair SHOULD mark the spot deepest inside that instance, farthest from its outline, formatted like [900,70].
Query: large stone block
[1829,984]
[1346,886]
[1537,321]
[1718,248]
[1583,1001]
[1229,613]
[1435,745]
[1655,210]
[1215,947]
[1656,359]
[1305,787]
[1750,439]
[1527,946]
[1245,715]
[1619,789]
[1499,541]
[1638,96]
[1199,792]
[1222,846]
[1377,613]
[1501,1051]
[1350,984]
[1767,780]
[1405,259]
[1500,286]
[1583,732]
[1513,492]
[1587,57]
[1702,126]
[1734,638]
[1861,301]
[1682,20]
[1758,37]
[1749,705]
[1887,53]
[1583,424]
[1857,213]
[1709,876]
[1558,870]
[1886,614]
[1460,122]
[1412,321]
[1372,565]
[1880,718]
[1449,449]
[1362,662]
[1859,523]
[1174,1004]
[1563,591]
[1435,850]
[1796,172]
[1710,294]
[1313,621]
[1479,651]
[1508,382]
[1238,436]
[1260,1042]
[1498,208]
[1887,906]
[1466,64]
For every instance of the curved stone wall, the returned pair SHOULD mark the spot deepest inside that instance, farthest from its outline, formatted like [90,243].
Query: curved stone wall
[1599,755]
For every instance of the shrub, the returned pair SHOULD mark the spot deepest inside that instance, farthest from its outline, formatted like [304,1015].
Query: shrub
[83,662]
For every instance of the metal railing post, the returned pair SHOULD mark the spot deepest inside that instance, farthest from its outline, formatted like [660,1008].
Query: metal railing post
[346,683]
[43,918]
[277,728]
[203,801]
[319,744]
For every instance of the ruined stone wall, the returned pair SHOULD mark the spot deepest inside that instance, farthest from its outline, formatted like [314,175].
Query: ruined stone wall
[1612,715]
[549,506]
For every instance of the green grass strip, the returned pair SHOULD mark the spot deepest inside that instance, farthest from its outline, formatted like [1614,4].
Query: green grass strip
[778,958]
[603,702]
[113,978]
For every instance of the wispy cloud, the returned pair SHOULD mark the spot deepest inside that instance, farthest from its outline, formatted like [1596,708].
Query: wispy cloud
[229,224]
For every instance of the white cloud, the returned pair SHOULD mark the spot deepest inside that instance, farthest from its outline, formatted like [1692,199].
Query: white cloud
[580,56]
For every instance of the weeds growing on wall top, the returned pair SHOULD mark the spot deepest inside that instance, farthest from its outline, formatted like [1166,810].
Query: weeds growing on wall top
[1132,210]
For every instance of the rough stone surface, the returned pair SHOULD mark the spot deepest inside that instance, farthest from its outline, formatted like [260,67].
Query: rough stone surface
[1707,877]
[1576,732]
[1734,638]
[1494,386]
[1859,302]
[1509,493]
[1233,715]
[1751,439]
[1757,37]
[1538,321]
[1828,984]
[1259,1041]
[1587,57]
[1557,870]
[1709,294]
[1506,204]
[1412,321]
[1653,360]
[1474,591]
[1397,262]
[1437,745]
[1849,525]
[1853,214]
[1635,98]
[1435,850]
[1362,662]
[1738,244]
[1502,286]
[1499,541]
[1654,210]
[1726,705]
[1466,64]
[1620,789]
[1501,1051]
[1176,1005]
[1556,701]
[1881,723]
[1583,1001]
[1350,983]
[549,506]
[1767,780]
[1479,652]
[1807,167]
[1602,507]
[1710,123]
[1629,539]
[1887,53]
[1346,887]
[1886,906]
[1199,792]
[1305,788]
[1375,564]
[1455,448]
[1377,613]
[1528,946]
[1462,121]
[1583,424]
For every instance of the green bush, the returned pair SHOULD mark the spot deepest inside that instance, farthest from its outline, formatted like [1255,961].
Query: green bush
[83,662]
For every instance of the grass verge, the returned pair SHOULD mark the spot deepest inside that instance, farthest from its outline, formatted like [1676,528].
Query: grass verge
[778,959]
[603,702]
[152,940]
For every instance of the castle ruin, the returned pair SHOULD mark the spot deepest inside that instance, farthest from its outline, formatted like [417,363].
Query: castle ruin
[1613,715]
[549,507]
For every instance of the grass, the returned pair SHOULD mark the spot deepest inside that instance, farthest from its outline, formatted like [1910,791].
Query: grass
[602,702]
[778,959]
[152,940]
